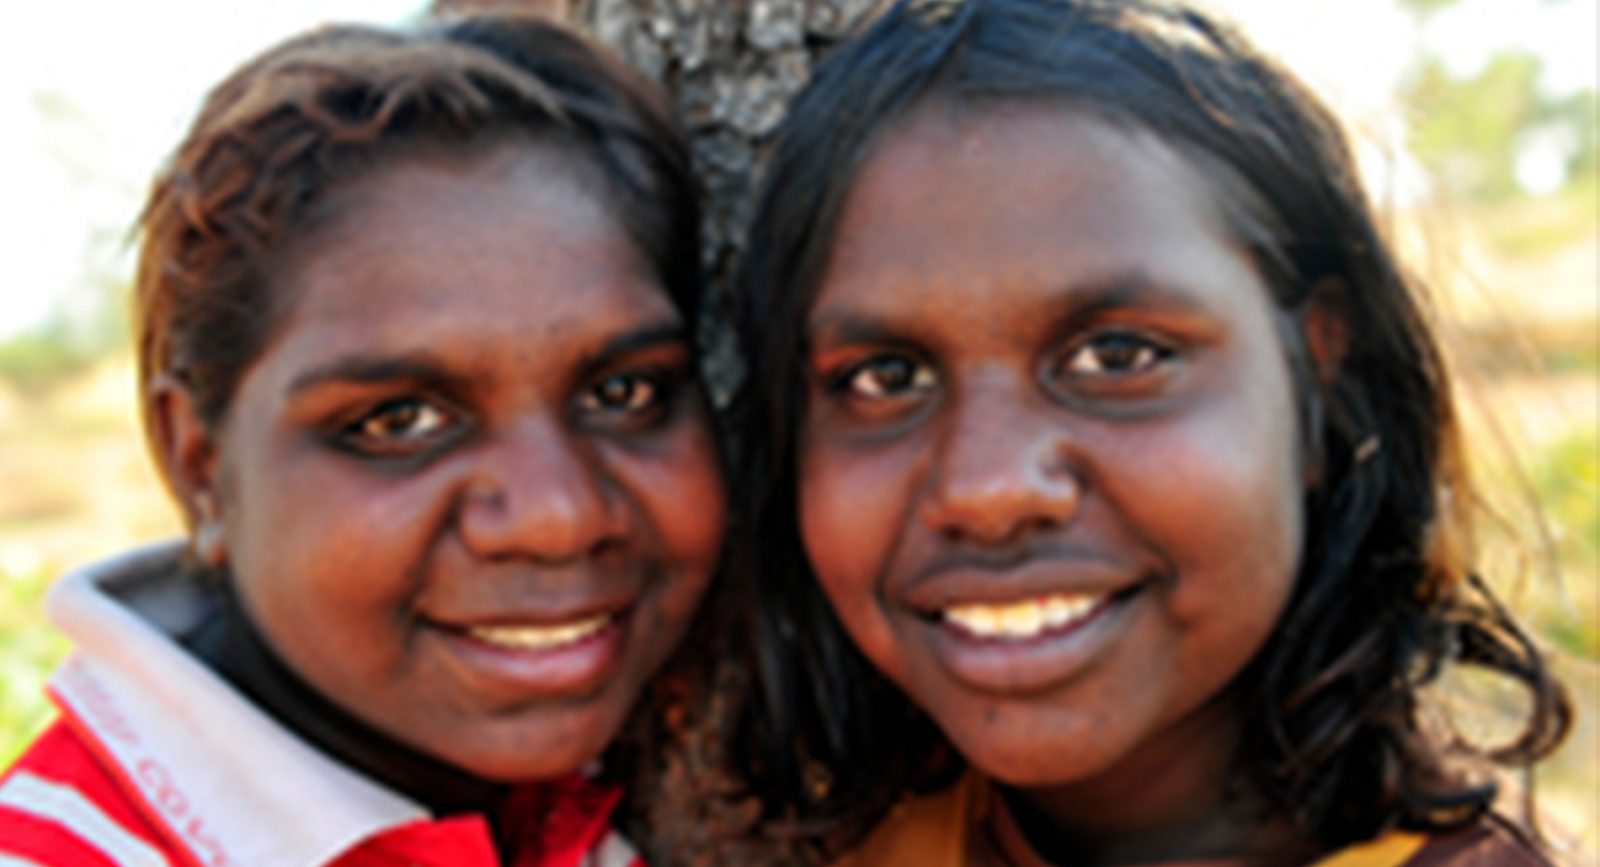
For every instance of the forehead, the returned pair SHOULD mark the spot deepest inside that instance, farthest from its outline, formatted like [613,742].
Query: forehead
[427,195]
[519,239]
[1033,192]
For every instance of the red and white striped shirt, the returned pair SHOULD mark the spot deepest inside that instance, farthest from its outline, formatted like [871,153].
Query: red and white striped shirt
[157,761]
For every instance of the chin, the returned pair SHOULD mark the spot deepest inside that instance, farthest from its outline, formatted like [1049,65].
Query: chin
[517,752]
[1027,763]
[531,763]
[1018,774]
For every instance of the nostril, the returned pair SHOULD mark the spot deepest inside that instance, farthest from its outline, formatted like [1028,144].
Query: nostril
[991,533]
[1006,505]
[560,509]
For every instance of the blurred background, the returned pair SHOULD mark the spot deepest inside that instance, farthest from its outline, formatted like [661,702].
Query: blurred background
[1475,121]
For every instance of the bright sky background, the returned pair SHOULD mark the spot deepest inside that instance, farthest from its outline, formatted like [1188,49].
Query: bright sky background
[95,94]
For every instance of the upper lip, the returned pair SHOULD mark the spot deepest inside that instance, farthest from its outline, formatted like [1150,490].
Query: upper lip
[997,577]
[517,594]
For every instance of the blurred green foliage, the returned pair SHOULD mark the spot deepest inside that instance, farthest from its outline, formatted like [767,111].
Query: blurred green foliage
[35,359]
[1566,481]
[31,650]
[65,345]
[1467,130]
[1470,131]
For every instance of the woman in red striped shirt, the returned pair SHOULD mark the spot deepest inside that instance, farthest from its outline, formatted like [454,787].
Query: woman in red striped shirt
[414,316]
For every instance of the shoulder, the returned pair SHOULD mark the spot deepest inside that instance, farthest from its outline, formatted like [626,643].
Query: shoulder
[60,806]
[1489,842]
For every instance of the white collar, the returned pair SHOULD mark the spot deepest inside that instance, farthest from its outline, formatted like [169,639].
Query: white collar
[230,781]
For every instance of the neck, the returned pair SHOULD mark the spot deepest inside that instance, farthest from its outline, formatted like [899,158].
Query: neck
[1178,799]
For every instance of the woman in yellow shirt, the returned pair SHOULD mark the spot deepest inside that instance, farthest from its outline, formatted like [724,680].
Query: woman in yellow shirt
[1098,446]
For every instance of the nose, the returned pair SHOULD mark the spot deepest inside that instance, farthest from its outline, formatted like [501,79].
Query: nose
[539,493]
[1003,466]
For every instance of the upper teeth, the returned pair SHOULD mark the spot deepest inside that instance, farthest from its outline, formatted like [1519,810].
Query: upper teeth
[1024,619]
[540,637]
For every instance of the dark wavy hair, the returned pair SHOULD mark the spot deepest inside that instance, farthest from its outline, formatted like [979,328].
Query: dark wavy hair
[1385,596]
[290,127]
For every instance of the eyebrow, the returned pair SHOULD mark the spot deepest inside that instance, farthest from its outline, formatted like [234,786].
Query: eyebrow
[1124,290]
[1130,290]
[426,366]
[361,368]
[661,333]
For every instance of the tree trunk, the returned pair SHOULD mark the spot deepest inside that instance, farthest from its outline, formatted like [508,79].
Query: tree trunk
[733,66]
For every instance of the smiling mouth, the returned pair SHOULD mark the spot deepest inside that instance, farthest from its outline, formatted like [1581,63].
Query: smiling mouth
[1024,619]
[543,636]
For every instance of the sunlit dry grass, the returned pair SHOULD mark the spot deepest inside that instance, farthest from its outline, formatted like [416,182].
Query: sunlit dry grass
[75,485]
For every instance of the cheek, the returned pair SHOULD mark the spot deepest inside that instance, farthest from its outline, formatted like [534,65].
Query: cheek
[849,509]
[1245,530]
[1222,496]
[679,492]
[680,503]
[852,511]
[359,538]
[328,561]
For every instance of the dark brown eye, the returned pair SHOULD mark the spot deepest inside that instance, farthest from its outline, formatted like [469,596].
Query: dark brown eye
[1115,354]
[625,393]
[400,426]
[887,376]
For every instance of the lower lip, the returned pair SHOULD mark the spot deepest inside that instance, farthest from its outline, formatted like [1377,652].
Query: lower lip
[570,670]
[1045,661]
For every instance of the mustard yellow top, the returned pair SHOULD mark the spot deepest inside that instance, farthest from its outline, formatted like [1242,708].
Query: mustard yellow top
[1391,850]
[932,831]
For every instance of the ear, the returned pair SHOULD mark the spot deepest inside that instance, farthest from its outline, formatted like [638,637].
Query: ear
[186,450]
[1326,328]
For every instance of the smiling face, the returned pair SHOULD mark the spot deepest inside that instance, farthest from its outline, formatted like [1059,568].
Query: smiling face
[1049,471]
[468,491]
